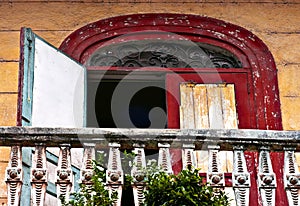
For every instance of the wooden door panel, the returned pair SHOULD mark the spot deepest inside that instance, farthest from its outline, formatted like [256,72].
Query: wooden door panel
[51,94]
[244,105]
[52,89]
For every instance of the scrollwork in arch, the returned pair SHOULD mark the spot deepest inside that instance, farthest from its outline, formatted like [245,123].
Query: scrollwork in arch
[165,54]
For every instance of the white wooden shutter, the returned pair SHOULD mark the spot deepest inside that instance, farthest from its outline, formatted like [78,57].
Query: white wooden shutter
[208,106]
[53,94]
[53,84]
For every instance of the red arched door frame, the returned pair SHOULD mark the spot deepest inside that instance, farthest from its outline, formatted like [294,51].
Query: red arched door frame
[255,56]
[81,42]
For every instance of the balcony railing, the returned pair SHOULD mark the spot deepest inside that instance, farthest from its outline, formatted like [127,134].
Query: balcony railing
[261,142]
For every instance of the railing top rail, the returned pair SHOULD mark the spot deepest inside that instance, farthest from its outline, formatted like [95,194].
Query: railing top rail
[76,137]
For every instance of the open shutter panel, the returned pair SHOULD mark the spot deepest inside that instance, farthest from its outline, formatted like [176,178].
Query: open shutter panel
[53,92]
[208,106]
[53,85]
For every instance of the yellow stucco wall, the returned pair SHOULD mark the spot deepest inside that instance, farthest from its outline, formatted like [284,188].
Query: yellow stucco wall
[277,24]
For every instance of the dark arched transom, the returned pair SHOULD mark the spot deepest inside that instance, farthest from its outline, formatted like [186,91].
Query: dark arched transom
[164,53]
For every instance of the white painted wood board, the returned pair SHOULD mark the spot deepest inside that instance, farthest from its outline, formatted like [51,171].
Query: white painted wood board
[58,89]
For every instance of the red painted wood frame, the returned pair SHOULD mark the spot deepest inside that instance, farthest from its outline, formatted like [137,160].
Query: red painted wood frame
[238,78]
[256,56]
[264,104]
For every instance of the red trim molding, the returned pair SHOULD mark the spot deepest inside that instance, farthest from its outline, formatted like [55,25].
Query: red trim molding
[253,53]
[20,78]
[258,57]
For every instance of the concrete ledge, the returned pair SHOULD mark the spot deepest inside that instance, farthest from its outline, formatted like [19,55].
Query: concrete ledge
[77,137]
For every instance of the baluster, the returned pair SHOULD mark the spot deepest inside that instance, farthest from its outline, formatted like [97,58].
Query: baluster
[164,158]
[240,177]
[138,174]
[215,177]
[266,178]
[39,175]
[14,176]
[87,171]
[188,156]
[114,173]
[291,176]
[64,175]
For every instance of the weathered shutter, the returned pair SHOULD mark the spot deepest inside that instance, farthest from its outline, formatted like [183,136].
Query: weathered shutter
[52,93]
[209,106]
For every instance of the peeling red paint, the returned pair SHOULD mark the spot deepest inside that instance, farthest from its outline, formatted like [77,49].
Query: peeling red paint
[262,72]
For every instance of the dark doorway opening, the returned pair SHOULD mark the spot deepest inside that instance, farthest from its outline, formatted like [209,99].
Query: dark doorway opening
[126,104]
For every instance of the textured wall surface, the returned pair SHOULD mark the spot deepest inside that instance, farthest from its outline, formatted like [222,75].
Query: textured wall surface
[275,22]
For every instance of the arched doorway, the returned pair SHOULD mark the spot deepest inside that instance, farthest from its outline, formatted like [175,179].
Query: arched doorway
[254,55]
[253,70]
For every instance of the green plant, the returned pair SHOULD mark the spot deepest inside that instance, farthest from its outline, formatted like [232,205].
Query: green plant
[186,188]
[127,163]
[96,194]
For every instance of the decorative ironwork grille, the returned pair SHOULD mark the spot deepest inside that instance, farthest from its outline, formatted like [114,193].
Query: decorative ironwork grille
[164,53]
